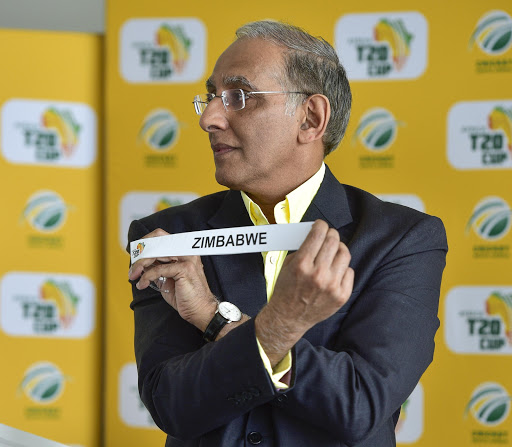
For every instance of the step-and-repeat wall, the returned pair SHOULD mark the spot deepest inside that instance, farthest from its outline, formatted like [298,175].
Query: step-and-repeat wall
[51,263]
[431,128]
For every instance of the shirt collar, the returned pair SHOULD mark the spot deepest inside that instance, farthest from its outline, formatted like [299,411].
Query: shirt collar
[293,207]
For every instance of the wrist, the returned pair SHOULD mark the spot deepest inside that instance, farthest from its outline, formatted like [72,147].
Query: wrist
[205,315]
[231,326]
[226,314]
[276,335]
[275,316]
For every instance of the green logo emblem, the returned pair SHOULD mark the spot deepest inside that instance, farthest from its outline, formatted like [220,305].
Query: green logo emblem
[377,129]
[43,383]
[489,404]
[493,33]
[490,218]
[159,130]
[45,211]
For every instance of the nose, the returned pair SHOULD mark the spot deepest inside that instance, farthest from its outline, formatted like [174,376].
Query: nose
[214,117]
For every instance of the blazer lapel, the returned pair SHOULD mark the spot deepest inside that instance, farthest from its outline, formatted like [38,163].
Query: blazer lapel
[331,205]
[241,277]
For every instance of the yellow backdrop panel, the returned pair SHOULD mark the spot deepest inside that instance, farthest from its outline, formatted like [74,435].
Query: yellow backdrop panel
[431,128]
[50,274]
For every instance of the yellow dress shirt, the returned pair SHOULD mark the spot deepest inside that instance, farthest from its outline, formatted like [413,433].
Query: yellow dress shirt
[290,210]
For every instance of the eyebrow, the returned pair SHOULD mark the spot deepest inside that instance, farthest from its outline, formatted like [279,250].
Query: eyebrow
[232,80]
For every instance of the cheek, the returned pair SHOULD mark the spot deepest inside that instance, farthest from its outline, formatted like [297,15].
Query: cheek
[266,137]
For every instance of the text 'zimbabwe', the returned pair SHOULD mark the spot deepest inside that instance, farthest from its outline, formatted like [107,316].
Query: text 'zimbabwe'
[233,240]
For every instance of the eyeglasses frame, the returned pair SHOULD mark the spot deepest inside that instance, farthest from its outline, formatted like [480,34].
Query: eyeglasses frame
[245,95]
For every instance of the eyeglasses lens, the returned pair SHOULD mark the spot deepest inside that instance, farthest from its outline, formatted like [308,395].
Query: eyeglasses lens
[200,103]
[234,99]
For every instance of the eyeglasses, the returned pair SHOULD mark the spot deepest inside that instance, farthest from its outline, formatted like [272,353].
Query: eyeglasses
[233,99]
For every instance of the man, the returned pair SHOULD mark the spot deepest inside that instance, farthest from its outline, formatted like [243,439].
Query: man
[331,357]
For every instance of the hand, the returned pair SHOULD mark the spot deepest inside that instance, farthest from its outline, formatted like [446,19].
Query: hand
[188,290]
[316,280]
[314,283]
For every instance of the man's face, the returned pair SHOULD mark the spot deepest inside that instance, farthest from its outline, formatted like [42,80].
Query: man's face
[254,148]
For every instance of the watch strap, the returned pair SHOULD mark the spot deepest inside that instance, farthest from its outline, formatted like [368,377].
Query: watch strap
[214,327]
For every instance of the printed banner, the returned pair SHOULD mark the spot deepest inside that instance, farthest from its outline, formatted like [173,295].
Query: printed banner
[225,241]
[51,133]
[50,115]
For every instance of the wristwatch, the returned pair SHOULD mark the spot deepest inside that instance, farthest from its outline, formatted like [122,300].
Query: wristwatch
[226,313]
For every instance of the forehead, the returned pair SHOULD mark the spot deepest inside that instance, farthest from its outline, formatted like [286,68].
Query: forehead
[254,60]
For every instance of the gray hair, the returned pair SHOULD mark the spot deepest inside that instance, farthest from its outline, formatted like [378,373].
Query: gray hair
[312,66]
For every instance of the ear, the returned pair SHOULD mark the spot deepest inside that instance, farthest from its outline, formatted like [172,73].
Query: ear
[317,111]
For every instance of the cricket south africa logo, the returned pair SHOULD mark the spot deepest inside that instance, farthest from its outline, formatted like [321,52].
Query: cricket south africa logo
[159,130]
[377,129]
[490,43]
[489,404]
[48,133]
[491,218]
[382,45]
[45,211]
[480,135]
[43,383]
[163,50]
[493,33]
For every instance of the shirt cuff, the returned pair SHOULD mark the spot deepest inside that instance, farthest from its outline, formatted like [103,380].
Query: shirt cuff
[280,369]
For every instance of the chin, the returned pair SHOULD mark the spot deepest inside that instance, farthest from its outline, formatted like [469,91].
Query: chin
[227,180]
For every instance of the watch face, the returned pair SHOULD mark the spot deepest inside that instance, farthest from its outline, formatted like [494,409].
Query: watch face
[229,311]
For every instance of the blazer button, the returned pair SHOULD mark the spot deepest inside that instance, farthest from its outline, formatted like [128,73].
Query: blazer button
[280,401]
[255,437]
[282,398]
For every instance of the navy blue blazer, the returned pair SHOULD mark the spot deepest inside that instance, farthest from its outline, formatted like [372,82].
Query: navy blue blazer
[351,372]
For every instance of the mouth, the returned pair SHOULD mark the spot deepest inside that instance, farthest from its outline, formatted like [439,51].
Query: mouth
[220,148]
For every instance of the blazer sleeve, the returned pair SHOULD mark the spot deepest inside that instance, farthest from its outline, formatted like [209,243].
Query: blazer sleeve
[384,343]
[191,387]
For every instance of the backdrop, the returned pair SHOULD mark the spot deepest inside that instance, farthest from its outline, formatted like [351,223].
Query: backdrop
[50,271]
[431,128]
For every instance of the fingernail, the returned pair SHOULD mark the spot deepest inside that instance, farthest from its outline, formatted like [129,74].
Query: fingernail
[137,285]
[130,272]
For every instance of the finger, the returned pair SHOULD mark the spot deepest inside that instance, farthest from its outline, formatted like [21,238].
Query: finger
[138,267]
[314,240]
[328,249]
[172,270]
[347,284]
[168,259]
[341,260]
[156,233]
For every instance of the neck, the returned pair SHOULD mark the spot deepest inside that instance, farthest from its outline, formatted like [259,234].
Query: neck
[267,207]
[268,199]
